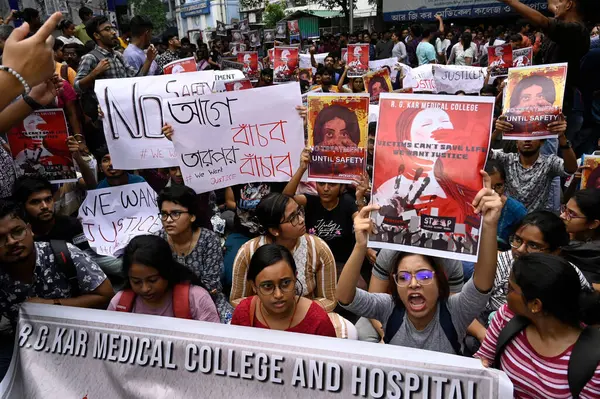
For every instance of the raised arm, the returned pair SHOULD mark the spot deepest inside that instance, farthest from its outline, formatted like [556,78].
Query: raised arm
[340,84]
[292,186]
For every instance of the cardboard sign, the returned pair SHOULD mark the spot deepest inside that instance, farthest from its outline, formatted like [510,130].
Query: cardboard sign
[522,57]
[112,216]
[268,35]
[420,79]
[180,66]
[249,60]
[293,28]
[376,83]
[281,30]
[358,60]
[238,85]
[391,64]
[38,146]
[237,137]
[285,63]
[452,78]
[500,58]
[254,38]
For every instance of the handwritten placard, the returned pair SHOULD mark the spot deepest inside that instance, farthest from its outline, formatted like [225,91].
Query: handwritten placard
[236,137]
[112,216]
[451,78]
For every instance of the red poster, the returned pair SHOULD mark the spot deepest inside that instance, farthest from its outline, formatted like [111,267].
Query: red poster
[345,55]
[293,28]
[378,82]
[238,85]
[180,66]
[428,154]
[250,61]
[337,133]
[533,98]
[39,146]
[285,63]
[358,60]
[522,57]
[500,58]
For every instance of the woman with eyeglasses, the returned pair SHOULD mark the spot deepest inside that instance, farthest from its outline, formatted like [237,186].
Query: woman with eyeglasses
[545,314]
[538,232]
[419,313]
[192,245]
[275,304]
[581,216]
[282,222]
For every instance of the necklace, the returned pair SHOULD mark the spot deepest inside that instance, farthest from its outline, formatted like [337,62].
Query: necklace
[265,319]
[183,253]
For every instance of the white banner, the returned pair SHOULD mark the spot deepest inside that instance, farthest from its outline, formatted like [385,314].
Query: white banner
[112,216]
[133,112]
[66,352]
[305,60]
[452,78]
[391,63]
[237,137]
[420,79]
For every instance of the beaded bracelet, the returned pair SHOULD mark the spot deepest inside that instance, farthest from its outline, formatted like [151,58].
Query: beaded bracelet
[16,75]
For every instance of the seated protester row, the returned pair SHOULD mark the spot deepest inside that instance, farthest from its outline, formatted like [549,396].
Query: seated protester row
[540,231]
[282,222]
[29,272]
[543,318]
[371,330]
[581,216]
[420,313]
[197,248]
[113,177]
[276,304]
[158,285]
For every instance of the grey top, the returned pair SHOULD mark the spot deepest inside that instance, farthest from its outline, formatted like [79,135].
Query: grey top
[454,269]
[463,307]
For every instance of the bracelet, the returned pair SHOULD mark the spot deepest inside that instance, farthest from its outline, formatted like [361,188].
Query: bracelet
[18,76]
[34,105]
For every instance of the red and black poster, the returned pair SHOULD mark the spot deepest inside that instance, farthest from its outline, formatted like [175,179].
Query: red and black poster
[250,61]
[358,60]
[500,58]
[285,63]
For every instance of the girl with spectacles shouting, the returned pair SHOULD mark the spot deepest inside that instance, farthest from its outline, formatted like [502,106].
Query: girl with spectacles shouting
[276,305]
[194,246]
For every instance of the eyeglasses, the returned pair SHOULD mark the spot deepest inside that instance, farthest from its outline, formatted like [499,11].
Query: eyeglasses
[108,29]
[17,234]
[568,214]
[423,277]
[516,242]
[294,218]
[175,215]
[268,288]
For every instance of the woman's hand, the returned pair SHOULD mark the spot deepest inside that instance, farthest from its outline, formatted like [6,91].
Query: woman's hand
[167,130]
[45,92]
[502,125]
[363,225]
[73,145]
[362,186]
[487,202]
[305,158]
[302,111]
[558,127]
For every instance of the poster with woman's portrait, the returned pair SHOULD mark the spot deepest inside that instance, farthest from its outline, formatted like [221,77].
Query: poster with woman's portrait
[293,27]
[533,98]
[281,30]
[337,134]
[250,61]
[254,38]
[429,150]
[358,60]
[285,62]
[237,36]
[378,82]
[500,58]
[269,36]
[590,176]
[522,57]
[221,29]
[39,146]
[244,26]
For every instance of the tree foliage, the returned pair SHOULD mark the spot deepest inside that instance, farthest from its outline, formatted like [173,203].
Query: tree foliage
[274,12]
[153,9]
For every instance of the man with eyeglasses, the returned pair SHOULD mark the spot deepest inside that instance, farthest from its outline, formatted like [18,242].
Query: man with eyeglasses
[29,272]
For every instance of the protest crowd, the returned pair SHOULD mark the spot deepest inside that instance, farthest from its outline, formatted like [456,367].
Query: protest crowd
[444,194]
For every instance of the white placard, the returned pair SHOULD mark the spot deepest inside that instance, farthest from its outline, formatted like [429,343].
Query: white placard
[133,118]
[452,78]
[420,79]
[112,216]
[392,63]
[237,137]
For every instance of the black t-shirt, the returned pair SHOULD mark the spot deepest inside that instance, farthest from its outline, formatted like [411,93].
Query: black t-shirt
[66,228]
[335,227]
[247,196]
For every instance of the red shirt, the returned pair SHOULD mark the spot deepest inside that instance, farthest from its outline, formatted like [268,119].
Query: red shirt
[316,321]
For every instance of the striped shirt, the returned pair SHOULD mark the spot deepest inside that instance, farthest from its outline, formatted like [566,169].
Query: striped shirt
[315,268]
[534,376]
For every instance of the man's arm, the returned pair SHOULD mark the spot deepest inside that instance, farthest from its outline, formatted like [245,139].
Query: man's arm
[150,57]
[88,73]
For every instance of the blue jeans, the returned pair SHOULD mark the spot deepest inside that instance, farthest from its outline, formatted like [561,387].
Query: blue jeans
[550,147]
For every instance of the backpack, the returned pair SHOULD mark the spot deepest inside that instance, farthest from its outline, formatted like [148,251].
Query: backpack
[89,101]
[181,301]
[62,257]
[584,360]
[397,318]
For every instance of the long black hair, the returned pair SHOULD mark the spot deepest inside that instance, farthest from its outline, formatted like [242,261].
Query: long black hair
[551,226]
[270,211]
[588,200]
[554,282]
[153,251]
[266,256]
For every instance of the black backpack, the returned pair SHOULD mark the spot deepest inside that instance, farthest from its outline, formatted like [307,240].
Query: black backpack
[584,360]
[89,101]
[63,259]
[397,318]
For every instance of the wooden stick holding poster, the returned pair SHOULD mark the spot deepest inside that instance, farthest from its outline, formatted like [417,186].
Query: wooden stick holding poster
[235,137]
[358,60]
[378,82]
[337,133]
[38,146]
[180,66]
[533,98]
[428,154]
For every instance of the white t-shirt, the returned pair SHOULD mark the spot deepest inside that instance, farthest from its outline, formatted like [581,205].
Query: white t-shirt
[458,54]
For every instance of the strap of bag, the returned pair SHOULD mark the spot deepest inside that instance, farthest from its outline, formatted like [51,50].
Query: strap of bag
[181,301]
[394,323]
[62,257]
[584,360]
[64,72]
[510,330]
[126,301]
[448,327]
[252,310]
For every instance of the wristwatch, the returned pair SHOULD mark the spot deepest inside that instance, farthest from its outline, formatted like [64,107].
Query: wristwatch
[566,146]
[34,105]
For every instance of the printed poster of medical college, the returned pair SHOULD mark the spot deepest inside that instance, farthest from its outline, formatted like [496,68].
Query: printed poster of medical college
[39,146]
[429,150]
[533,98]
[337,133]
[234,137]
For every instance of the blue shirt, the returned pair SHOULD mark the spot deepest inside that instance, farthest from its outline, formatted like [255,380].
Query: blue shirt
[136,57]
[130,179]
[512,214]
[425,53]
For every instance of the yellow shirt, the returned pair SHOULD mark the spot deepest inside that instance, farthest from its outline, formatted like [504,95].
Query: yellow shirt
[123,43]
[81,34]
[70,73]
